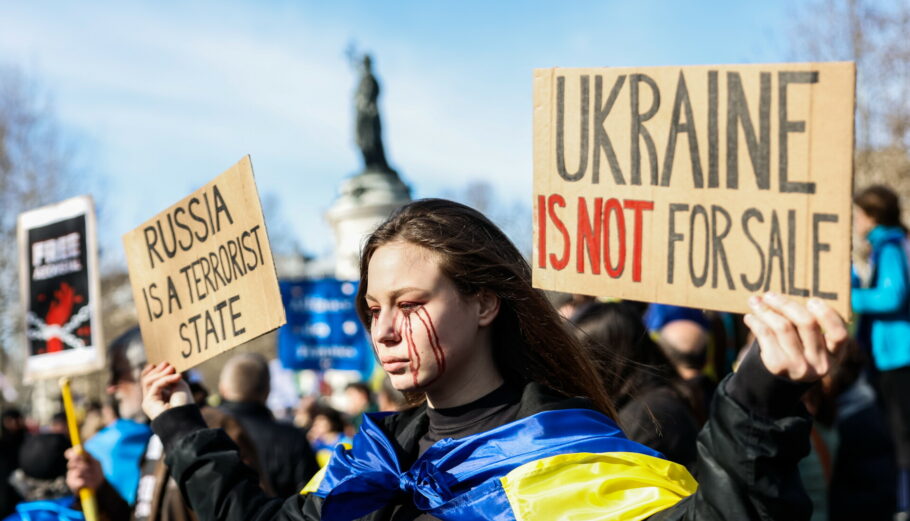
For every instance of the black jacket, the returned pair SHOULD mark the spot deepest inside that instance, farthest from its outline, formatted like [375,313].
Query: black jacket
[747,457]
[285,455]
[663,420]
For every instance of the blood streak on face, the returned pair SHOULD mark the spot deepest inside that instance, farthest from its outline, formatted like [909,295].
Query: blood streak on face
[406,330]
[430,328]
[413,355]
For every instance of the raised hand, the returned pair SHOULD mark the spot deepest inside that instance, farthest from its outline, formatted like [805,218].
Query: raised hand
[163,388]
[797,342]
[82,471]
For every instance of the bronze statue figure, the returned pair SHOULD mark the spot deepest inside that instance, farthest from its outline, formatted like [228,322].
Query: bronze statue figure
[369,129]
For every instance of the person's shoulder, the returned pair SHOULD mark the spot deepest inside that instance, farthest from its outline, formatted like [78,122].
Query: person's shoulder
[403,429]
[394,423]
[657,395]
[887,237]
[281,437]
[120,432]
[286,429]
[663,402]
[537,398]
[215,417]
[893,251]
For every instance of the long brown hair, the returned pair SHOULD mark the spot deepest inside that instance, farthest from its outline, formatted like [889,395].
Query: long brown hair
[530,340]
[628,360]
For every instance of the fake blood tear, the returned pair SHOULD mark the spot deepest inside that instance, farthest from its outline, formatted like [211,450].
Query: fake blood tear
[427,322]
[413,354]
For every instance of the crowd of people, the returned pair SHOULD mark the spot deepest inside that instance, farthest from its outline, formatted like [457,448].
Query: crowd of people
[122,461]
[513,405]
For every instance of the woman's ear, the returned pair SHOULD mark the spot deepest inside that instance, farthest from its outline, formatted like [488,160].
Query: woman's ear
[488,307]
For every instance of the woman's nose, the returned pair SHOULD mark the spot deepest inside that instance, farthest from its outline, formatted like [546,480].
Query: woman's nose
[386,328]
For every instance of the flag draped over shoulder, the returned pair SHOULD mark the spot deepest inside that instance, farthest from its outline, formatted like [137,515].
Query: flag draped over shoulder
[572,463]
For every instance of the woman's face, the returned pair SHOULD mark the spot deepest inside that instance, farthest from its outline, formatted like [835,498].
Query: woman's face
[862,222]
[321,427]
[425,333]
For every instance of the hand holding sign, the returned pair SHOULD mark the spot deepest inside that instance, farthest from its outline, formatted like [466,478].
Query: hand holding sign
[163,388]
[82,471]
[798,343]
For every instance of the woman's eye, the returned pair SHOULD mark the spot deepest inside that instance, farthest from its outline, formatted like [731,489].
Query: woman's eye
[408,305]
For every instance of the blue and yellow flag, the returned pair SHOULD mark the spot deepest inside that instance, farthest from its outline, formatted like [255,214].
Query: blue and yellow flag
[564,464]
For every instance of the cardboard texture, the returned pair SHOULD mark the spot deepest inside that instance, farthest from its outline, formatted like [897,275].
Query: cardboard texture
[202,273]
[695,186]
[60,290]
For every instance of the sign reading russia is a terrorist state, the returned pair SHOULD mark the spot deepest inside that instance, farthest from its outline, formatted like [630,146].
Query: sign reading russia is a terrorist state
[695,186]
[202,272]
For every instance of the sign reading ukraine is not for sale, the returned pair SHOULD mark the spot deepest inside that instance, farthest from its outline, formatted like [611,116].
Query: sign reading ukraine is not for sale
[202,273]
[695,186]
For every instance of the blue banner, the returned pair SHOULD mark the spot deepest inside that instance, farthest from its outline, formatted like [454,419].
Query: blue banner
[322,330]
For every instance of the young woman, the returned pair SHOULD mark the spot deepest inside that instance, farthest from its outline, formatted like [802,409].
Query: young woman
[509,420]
[884,309]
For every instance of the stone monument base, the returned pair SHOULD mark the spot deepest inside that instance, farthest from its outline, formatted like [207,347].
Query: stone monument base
[366,199]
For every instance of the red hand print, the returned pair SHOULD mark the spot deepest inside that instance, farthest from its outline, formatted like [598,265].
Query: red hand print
[59,312]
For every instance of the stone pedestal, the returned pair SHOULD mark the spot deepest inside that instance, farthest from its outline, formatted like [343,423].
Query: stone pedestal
[365,200]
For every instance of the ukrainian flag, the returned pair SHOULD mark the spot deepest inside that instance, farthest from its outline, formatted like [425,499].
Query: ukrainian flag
[564,464]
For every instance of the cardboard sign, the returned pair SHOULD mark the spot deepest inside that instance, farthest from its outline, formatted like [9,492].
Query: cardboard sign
[202,272]
[695,186]
[58,260]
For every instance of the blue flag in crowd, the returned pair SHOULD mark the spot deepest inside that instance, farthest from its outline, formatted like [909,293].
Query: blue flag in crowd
[322,330]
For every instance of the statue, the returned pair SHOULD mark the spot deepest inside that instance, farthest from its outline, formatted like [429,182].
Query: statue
[368,127]
[366,198]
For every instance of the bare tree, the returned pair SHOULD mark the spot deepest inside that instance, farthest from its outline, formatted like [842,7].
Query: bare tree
[281,232]
[35,169]
[874,35]
[512,216]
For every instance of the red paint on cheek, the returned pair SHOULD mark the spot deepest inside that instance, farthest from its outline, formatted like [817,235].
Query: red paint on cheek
[440,356]
[406,329]
[413,355]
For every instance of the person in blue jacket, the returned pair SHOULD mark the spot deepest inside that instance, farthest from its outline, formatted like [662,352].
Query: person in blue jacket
[121,446]
[41,481]
[884,306]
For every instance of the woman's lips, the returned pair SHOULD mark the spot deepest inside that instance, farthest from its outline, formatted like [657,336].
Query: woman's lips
[395,365]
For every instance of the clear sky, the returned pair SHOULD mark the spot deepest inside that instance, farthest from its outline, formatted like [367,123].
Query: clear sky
[163,96]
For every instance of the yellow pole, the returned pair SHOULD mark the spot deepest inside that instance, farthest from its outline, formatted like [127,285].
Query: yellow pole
[86,495]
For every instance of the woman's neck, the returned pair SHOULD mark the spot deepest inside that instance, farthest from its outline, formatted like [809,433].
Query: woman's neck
[468,387]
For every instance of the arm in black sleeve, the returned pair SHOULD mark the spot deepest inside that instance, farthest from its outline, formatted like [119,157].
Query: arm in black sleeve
[214,481]
[749,450]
